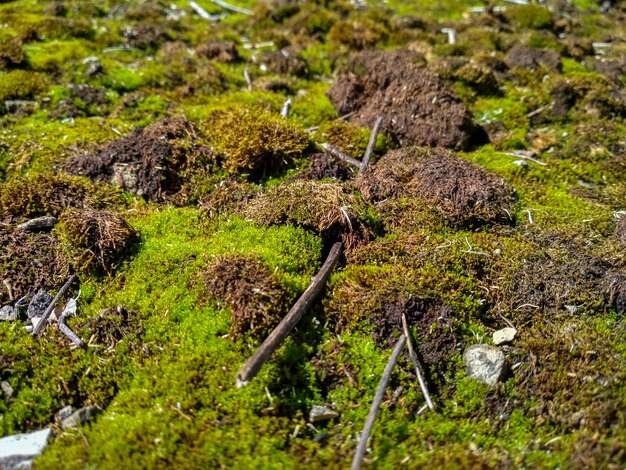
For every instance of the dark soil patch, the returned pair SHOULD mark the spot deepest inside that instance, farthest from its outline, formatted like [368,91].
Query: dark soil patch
[97,239]
[255,295]
[325,166]
[332,370]
[531,58]
[145,36]
[149,162]
[416,104]
[285,62]
[29,262]
[12,54]
[464,194]
[84,100]
[226,52]
[227,196]
[620,230]
[615,291]
[564,97]
[110,327]
[614,69]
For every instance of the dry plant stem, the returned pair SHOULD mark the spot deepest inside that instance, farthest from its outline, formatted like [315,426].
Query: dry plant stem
[284,112]
[416,364]
[335,152]
[63,328]
[371,144]
[378,398]
[46,314]
[203,13]
[526,157]
[286,326]
[228,6]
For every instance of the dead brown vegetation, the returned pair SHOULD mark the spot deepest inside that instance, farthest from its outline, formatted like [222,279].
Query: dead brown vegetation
[253,292]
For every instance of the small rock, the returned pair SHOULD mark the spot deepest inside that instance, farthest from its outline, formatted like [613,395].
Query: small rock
[484,363]
[6,389]
[79,417]
[504,336]
[65,412]
[8,313]
[40,224]
[321,413]
[19,450]
[13,106]
[39,304]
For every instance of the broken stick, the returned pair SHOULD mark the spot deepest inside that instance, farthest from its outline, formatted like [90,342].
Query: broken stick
[276,337]
[378,398]
[335,152]
[46,314]
[371,144]
[418,369]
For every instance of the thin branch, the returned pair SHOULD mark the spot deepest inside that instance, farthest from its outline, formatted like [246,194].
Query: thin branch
[378,398]
[416,364]
[202,13]
[371,144]
[246,76]
[335,152]
[286,326]
[228,6]
[44,318]
[525,156]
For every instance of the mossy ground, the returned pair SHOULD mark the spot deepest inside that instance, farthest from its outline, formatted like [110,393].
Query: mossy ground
[76,76]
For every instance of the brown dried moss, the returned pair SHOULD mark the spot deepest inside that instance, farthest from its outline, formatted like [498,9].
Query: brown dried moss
[95,239]
[253,292]
[462,193]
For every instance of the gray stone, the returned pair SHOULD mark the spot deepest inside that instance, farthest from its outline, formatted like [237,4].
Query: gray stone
[65,412]
[6,389]
[19,450]
[484,363]
[8,313]
[321,413]
[79,417]
[39,304]
[40,224]
[504,336]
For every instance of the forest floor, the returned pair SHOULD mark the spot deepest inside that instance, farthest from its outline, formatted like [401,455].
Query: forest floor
[153,136]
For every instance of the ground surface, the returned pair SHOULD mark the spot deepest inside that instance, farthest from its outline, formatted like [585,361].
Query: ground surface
[194,215]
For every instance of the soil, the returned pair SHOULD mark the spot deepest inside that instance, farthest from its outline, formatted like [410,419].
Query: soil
[531,58]
[110,327]
[30,262]
[620,231]
[256,298]
[148,162]
[464,194]
[417,106]
[284,62]
[325,166]
[225,52]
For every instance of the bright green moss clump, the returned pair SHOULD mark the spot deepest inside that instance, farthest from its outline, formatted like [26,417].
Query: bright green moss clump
[256,141]
[20,84]
[529,16]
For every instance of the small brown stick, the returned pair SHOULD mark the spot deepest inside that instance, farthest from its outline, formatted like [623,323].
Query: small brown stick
[378,398]
[335,152]
[46,314]
[371,144]
[416,364]
[252,366]
[63,328]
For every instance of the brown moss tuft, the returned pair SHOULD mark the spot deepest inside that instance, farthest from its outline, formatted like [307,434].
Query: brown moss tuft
[11,54]
[357,34]
[225,197]
[462,193]
[620,231]
[95,239]
[251,290]
[31,196]
[110,327]
[226,52]
[29,262]
[325,166]
[256,141]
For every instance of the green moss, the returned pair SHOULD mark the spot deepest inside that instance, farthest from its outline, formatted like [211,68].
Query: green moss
[256,141]
[529,16]
[20,84]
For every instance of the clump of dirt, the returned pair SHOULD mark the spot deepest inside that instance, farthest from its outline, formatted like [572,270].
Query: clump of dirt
[615,291]
[225,52]
[84,100]
[146,36]
[620,230]
[227,196]
[255,141]
[331,369]
[531,58]
[564,96]
[325,166]
[357,34]
[285,62]
[151,162]
[571,374]
[12,54]
[417,106]
[253,292]
[110,327]
[96,239]
[29,262]
[32,196]
[349,138]
[463,194]
[324,207]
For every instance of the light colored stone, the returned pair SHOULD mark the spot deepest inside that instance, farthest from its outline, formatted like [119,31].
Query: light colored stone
[321,413]
[40,224]
[19,450]
[6,389]
[8,313]
[65,412]
[504,336]
[484,363]
[79,417]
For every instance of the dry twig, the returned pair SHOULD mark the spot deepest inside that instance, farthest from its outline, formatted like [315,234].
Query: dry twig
[286,326]
[44,318]
[418,369]
[371,144]
[378,398]
[335,152]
